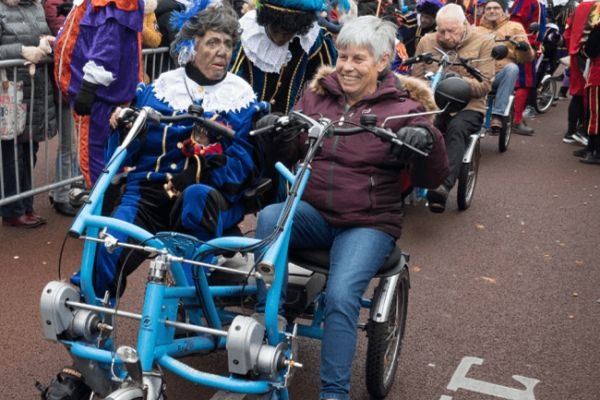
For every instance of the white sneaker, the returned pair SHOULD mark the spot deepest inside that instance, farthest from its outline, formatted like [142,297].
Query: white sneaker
[529,112]
[580,138]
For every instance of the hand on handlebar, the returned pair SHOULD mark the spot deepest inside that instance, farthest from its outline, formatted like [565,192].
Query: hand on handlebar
[281,128]
[522,46]
[416,136]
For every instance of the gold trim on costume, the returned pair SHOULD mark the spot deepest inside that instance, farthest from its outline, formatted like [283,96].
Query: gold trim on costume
[283,9]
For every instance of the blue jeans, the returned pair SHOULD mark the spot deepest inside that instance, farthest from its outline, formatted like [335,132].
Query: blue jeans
[504,84]
[67,165]
[356,255]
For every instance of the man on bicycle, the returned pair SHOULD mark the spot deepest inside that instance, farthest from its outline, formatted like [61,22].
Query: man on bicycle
[455,36]
[497,24]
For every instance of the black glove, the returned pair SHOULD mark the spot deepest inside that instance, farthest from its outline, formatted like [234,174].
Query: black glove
[283,128]
[64,8]
[415,136]
[522,46]
[85,97]
[499,52]
[267,120]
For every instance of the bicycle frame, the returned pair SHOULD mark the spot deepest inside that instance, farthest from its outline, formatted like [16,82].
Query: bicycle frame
[156,344]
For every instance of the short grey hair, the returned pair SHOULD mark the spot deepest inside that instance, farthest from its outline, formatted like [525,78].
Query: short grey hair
[370,32]
[219,18]
[451,12]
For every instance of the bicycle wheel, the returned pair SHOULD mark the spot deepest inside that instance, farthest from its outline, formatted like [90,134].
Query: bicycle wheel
[504,136]
[467,179]
[545,95]
[385,342]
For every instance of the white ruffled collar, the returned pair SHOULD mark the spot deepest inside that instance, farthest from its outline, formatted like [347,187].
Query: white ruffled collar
[264,54]
[231,94]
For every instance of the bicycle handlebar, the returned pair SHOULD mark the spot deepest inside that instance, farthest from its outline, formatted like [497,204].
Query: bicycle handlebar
[149,114]
[428,58]
[209,124]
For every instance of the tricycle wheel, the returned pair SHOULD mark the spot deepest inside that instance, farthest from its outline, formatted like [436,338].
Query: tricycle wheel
[467,179]
[385,342]
[505,131]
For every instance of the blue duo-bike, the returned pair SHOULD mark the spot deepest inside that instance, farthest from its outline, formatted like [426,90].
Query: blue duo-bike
[199,295]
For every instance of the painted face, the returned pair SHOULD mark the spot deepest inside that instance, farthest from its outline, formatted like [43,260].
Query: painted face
[357,72]
[278,35]
[427,21]
[213,53]
[493,11]
[450,33]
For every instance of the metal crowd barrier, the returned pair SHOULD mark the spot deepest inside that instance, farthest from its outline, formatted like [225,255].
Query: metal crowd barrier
[56,168]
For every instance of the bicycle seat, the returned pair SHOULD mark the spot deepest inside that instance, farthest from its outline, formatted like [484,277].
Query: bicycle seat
[318,261]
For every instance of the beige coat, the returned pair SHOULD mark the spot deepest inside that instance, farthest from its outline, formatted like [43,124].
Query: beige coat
[475,46]
[514,30]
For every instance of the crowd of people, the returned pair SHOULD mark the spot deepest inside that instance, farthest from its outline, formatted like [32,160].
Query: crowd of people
[247,61]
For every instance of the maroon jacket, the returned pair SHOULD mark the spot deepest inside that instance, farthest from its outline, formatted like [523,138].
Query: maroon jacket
[54,20]
[355,180]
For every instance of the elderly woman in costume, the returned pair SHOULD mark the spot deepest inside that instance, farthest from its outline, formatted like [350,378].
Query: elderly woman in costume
[180,177]
[352,203]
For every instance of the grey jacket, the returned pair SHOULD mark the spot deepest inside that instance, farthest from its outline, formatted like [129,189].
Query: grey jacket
[23,25]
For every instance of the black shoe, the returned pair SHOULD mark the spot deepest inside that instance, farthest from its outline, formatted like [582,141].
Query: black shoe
[522,129]
[592,157]
[436,199]
[68,384]
[581,153]
[65,209]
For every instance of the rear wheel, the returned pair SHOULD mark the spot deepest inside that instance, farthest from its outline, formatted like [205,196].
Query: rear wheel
[545,94]
[385,342]
[467,179]
[504,136]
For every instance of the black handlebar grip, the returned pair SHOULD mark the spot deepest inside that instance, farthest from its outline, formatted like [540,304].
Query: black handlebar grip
[218,128]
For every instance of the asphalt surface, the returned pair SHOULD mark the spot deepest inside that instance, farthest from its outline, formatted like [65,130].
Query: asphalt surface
[508,290]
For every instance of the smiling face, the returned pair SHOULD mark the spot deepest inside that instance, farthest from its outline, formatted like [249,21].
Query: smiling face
[493,11]
[357,72]
[213,53]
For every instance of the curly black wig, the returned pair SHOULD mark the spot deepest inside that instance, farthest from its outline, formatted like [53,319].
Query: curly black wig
[298,22]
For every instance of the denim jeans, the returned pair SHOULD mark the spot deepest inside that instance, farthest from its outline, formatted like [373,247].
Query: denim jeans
[356,254]
[67,165]
[504,84]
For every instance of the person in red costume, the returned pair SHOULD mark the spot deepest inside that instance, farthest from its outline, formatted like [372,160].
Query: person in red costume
[591,48]
[527,13]
[574,34]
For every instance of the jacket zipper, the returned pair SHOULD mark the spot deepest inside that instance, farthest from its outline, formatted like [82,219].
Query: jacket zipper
[330,174]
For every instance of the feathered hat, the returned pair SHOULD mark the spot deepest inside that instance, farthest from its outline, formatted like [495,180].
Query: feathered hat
[186,48]
[294,5]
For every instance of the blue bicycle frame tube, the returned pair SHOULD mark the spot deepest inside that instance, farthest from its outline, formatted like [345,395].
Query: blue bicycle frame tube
[276,254]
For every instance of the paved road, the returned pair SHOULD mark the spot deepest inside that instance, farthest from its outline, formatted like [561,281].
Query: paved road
[505,298]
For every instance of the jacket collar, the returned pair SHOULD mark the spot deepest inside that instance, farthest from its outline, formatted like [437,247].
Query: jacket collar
[391,86]
[494,25]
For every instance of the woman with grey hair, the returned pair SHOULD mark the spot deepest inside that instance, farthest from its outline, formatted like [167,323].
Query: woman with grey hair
[353,201]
